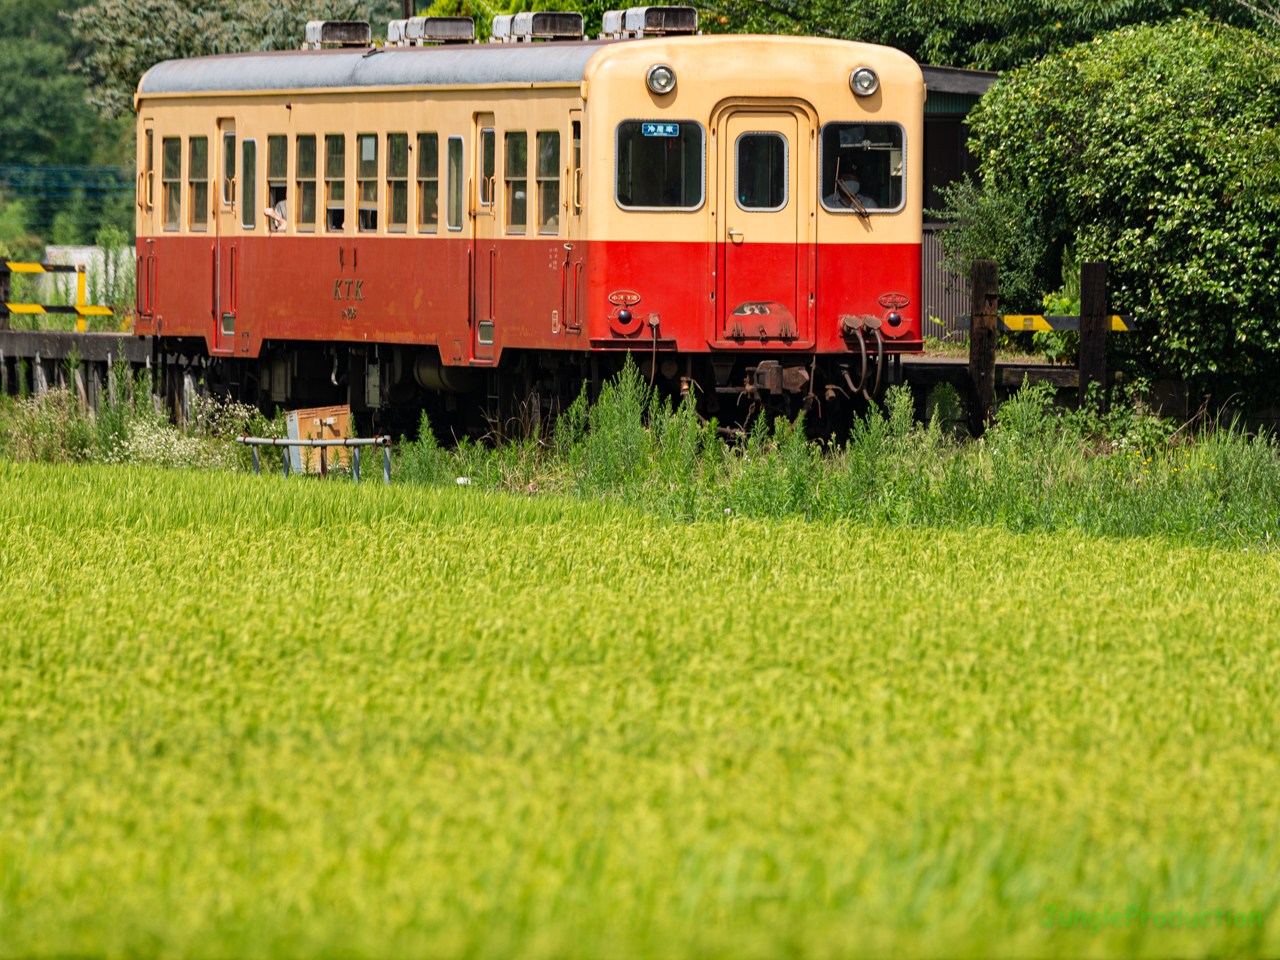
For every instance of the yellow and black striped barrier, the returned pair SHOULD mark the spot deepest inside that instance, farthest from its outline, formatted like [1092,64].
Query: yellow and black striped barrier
[80,308]
[1021,323]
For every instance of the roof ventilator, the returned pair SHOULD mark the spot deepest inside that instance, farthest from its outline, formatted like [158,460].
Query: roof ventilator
[337,33]
[422,31]
[650,22]
[537,25]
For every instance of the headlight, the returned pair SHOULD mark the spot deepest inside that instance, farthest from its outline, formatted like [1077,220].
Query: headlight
[660,78]
[864,81]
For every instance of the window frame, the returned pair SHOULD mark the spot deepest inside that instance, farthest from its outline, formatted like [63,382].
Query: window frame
[192,183]
[227,189]
[248,204]
[149,196]
[299,180]
[449,185]
[508,190]
[422,227]
[786,171]
[617,132]
[539,180]
[340,231]
[575,169]
[822,129]
[392,180]
[277,181]
[176,184]
[488,184]
[362,204]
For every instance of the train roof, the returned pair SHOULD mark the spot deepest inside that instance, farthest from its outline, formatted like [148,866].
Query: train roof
[472,64]
[482,64]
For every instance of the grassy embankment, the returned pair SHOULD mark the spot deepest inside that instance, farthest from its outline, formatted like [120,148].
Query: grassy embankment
[1122,473]
[246,717]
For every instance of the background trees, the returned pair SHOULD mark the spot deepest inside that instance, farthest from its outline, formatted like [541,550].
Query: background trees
[1153,148]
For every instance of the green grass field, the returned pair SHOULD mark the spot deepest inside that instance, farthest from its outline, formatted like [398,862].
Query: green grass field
[252,717]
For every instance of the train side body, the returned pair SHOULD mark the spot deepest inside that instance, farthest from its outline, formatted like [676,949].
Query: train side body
[761,209]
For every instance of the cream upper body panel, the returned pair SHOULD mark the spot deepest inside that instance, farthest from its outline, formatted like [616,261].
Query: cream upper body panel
[530,87]
[715,73]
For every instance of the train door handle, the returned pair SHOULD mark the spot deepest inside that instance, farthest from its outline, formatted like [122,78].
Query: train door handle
[735,234]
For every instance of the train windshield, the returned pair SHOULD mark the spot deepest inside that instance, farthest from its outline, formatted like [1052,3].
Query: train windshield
[862,167]
[659,164]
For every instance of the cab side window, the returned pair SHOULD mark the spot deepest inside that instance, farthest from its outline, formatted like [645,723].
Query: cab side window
[862,167]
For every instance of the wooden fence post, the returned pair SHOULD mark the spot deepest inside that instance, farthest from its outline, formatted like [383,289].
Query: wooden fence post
[1093,326]
[4,297]
[982,345]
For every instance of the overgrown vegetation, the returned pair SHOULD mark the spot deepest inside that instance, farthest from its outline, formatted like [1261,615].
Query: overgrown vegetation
[1040,467]
[128,426]
[1122,473]
[1151,148]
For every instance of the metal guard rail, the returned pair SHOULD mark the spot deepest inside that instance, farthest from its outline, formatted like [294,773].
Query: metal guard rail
[354,442]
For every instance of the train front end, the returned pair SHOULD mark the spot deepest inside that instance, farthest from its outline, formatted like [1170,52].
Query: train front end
[764,207]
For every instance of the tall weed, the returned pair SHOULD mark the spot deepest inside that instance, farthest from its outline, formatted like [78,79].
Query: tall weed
[1116,472]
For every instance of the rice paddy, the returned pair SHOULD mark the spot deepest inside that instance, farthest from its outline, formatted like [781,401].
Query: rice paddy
[245,716]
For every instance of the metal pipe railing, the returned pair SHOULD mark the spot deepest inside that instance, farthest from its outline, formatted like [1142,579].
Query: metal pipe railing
[355,443]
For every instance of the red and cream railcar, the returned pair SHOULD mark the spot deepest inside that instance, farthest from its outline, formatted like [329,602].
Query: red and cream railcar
[395,226]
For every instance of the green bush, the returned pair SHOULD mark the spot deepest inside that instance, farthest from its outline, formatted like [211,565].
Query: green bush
[1141,148]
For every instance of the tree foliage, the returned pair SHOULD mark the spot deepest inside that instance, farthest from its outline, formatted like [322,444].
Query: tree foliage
[128,37]
[53,144]
[1148,148]
[987,34]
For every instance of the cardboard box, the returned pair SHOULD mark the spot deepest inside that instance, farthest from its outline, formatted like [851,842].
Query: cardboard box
[318,423]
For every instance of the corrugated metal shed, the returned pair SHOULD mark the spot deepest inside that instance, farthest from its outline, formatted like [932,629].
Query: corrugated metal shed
[471,64]
[951,94]
[937,101]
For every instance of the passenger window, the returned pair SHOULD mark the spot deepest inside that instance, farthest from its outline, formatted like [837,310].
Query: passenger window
[861,167]
[549,182]
[249,184]
[762,171]
[515,169]
[228,168]
[455,183]
[487,174]
[398,182]
[278,181]
[335,183]
[171,181]
[659,165]
[306,174]
[367,180]
[428,182]
[198,182]
[577,167]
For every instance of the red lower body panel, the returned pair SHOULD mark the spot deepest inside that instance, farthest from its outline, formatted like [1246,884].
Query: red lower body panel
[536,294]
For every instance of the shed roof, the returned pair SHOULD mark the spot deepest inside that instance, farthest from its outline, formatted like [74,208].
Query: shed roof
[482,64]
[958,80]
